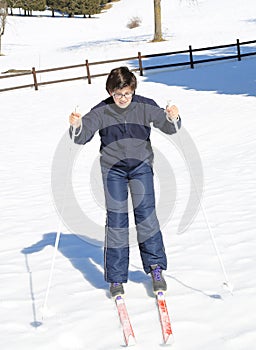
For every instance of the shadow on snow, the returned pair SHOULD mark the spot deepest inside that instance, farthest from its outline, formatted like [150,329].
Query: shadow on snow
[223,77]
[89,260]
[85,257]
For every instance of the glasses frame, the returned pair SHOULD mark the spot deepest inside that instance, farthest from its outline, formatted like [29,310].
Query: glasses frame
[127,95]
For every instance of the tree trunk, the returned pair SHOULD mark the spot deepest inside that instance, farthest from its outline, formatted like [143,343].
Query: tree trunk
[3,15]
[158,22]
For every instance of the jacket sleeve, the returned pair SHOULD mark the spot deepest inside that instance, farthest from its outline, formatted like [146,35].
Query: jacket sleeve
[91,122]
[160,121]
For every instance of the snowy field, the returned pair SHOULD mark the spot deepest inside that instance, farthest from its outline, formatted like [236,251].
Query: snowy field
[218,108]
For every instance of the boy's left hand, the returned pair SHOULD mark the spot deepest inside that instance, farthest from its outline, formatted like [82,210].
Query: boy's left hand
[172,112]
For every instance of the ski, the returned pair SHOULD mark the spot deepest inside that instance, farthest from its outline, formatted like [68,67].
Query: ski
[129,337]
[164,318]
[128,333]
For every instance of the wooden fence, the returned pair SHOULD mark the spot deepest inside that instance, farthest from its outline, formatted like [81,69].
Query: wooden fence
[191,62]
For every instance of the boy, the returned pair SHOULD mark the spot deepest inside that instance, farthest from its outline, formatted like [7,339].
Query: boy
[123,121]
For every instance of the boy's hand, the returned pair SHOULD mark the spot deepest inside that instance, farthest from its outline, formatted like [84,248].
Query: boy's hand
[172,112]
[75,119]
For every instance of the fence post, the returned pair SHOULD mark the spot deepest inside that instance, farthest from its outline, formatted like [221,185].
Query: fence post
[34,77]
[191,57]
[140,63]
[88,72]
[238,50]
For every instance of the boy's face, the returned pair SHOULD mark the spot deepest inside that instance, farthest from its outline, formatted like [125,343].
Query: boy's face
[122,97]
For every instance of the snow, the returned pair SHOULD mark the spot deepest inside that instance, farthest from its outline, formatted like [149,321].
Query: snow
[217,105]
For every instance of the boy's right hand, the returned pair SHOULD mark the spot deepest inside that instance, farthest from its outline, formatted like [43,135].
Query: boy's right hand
[75,119]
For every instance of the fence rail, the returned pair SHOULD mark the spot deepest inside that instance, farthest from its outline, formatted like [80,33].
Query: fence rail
[139,68]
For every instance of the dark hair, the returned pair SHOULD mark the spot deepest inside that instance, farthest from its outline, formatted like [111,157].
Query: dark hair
[119,78]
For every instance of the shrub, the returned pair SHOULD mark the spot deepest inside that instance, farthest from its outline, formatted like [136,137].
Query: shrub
[134,22]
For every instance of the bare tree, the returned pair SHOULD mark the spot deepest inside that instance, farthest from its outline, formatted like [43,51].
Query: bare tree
[3,15]
[158,21]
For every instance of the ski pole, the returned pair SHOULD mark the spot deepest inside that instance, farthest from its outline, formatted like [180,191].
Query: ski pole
[226,284]
[57,240]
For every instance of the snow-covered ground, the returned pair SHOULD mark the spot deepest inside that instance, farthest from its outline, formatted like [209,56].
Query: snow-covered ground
[217,104]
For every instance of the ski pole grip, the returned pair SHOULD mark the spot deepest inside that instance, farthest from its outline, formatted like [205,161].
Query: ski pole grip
[74,127]
[174,121]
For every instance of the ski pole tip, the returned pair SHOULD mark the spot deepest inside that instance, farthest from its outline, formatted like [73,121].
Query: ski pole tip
[46,312]
[229,287]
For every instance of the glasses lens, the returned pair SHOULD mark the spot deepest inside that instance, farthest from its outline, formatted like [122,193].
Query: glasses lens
[126,95]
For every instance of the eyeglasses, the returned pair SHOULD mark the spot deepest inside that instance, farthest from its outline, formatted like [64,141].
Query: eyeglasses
[127,95]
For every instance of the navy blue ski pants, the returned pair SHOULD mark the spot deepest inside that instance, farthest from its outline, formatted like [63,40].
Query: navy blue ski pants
[139,181]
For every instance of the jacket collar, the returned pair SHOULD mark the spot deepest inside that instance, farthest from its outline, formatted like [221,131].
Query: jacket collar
[113,109]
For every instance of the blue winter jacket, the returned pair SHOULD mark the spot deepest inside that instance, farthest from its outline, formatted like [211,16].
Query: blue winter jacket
[124,133]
